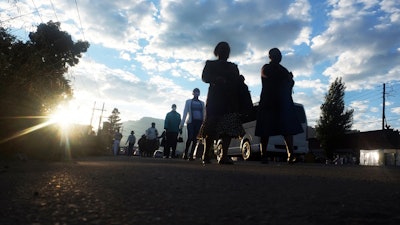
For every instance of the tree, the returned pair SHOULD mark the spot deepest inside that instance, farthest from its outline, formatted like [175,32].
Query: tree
[114,120]
[334,120]
[32,80]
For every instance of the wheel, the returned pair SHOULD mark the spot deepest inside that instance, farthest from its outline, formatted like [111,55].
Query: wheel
[246,150]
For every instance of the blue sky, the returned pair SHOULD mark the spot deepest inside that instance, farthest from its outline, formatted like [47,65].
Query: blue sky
[147,55]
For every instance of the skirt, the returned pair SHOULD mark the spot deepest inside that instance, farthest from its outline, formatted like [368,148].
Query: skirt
[228,125]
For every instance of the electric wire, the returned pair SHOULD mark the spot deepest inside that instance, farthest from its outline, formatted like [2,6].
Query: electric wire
[37,10]
[84,38]
[80,21]
[54,10]
[16,17]
[370,95]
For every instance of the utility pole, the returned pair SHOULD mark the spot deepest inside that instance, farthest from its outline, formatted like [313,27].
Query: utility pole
[383,107]
[101,116]
[91,118]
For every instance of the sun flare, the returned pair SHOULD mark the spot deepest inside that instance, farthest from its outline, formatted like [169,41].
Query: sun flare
[64,116]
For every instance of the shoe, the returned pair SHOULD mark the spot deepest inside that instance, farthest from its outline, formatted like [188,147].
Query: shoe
[291,160]
[225,161]
[190,159]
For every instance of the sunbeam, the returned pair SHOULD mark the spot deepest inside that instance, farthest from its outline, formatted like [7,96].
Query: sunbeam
[26,131]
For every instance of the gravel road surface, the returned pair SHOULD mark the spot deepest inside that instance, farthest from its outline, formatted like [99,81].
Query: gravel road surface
[135,190]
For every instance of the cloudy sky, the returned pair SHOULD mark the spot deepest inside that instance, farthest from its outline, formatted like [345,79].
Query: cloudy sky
[146,55]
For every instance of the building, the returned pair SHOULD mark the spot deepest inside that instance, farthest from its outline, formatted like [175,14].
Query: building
[377,147]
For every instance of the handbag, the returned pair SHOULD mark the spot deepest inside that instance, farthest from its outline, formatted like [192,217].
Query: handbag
[243,96]
[180,139]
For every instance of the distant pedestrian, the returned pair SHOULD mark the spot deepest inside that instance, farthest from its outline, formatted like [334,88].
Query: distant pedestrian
[276,111]
[142,143]
[152,139]
[195,112]
[222,118]
[116,142]
[163,141]
[171,126]
[131,143]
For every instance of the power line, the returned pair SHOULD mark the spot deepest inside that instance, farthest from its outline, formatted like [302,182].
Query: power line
[84,38]
[16,17]
[392,92]
[80,21]
[55,14]
[11,7]
[37,10]
[363,95]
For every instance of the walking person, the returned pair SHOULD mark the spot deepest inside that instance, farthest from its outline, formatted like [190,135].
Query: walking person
[276,111]
[116,143]
[131,142]
[152,142]
[171,126]
[142,144]
[194,111]
[222,120]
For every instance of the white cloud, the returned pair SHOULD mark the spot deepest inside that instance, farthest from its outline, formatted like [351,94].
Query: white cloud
[125,56]
[160,47]
[361,53]
[396,110]
[304,36]
[359,106]
[317,87]
[374,109]
[300,9]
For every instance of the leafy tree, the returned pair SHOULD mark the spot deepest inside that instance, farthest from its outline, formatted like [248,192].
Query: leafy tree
[32,78]
[334,120]
[114,119]
[32,81]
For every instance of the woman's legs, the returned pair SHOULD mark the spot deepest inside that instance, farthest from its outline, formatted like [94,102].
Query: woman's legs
[190,139]
[208,147]
[226,141]
[196,125]
[209,150]
[289,148]
[185,154]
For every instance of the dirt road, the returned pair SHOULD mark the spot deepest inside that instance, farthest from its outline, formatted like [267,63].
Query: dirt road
[122,190]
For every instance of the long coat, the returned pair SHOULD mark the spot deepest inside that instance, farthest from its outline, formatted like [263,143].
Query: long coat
[221,107]
[276,111]
[219,74]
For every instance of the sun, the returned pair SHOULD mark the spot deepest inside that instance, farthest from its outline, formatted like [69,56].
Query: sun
[64,116]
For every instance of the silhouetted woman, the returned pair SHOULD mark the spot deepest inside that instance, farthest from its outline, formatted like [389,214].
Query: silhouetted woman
[222,121]
[276,111]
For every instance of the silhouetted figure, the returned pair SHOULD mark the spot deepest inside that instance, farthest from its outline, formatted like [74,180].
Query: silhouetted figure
[222,118]
[171,126]
[116,142]
[131,143]
[163,139]
[194,111]
[276,111]
[152,139]
[142,143]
